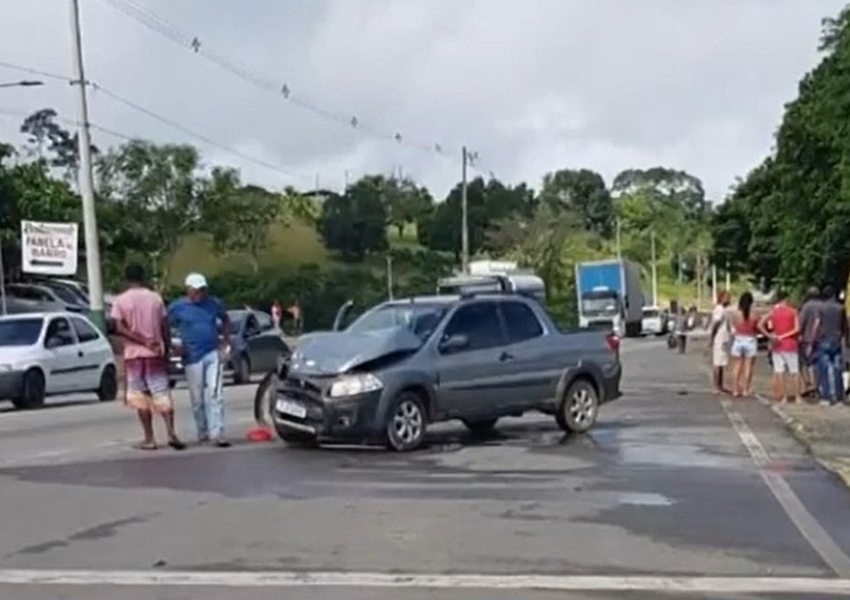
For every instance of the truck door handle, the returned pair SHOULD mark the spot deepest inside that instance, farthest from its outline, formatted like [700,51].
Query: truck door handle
[80,353]
[504,356]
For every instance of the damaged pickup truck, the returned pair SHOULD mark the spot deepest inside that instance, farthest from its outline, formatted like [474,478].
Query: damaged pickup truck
[406,364]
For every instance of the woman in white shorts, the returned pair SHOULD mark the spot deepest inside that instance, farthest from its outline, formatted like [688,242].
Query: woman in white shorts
[744,346]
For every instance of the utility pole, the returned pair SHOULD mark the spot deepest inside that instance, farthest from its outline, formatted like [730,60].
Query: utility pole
[619,244]
[2,282]
[389,276]
[654,269]
[86,179]
[713,283]
[728,277]
[699,281]
[468,158]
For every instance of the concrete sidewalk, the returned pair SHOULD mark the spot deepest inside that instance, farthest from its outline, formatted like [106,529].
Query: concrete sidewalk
[823,430]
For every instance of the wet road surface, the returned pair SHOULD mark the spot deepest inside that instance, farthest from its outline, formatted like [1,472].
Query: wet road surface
[671,483]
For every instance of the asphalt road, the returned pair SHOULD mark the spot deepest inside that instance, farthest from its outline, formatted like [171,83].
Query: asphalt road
[673,494]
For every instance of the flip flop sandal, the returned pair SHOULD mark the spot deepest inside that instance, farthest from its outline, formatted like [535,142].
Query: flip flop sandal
[145,446]
[177,444]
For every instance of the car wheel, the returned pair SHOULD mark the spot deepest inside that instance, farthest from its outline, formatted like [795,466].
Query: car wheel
[296,438]
[481,428]
[108,389]
[580,407]
[33,391]
[406,422]
[241,369]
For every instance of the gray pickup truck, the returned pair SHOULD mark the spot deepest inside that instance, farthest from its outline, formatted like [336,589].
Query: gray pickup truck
[405,364]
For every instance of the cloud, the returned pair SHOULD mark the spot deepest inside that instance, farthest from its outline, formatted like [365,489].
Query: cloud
[531,86]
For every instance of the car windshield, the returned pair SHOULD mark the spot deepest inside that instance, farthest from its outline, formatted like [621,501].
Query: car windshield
[650,312]
[19,332]
[65,294]
[421,319]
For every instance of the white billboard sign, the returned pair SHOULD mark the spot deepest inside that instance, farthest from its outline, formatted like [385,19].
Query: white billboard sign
[49,248]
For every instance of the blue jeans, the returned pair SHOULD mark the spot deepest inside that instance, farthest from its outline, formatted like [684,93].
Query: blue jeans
[205,380]
[830,370]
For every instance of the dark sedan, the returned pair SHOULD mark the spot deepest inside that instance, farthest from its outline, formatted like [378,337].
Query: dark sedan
[255,346]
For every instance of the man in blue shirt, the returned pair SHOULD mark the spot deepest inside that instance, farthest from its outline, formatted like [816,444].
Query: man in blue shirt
[204,331]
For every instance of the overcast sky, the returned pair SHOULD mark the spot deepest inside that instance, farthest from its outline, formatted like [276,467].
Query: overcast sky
[531,85]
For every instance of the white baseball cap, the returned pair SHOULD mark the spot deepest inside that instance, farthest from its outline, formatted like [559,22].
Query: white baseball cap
[196,281]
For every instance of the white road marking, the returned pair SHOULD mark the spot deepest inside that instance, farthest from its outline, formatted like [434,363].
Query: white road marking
[698,585]
[806,523]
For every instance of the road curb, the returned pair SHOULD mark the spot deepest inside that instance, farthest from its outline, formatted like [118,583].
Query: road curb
[837,466]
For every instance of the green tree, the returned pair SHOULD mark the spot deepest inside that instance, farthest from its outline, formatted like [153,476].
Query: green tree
[677,189]
[355,223]
[238,217]
[159,187]
[405,202]
[583,191]
[48,140]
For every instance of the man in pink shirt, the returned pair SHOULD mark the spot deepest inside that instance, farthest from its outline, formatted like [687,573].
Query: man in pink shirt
[139,317]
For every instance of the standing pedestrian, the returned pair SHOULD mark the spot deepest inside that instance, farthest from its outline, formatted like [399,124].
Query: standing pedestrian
[831,335]
[277,314]
[139,317]
[744,345]
[720,335]
[785,354]
[808,347]
[205,332]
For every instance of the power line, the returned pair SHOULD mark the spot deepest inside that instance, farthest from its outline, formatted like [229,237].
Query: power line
[166,121]
[157,24]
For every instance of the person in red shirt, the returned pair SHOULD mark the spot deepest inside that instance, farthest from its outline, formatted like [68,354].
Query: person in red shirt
[784,333]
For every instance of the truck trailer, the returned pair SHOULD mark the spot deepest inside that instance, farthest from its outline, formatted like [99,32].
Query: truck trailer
[609,296]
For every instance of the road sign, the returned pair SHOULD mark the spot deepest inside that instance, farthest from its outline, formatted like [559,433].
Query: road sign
[49,248]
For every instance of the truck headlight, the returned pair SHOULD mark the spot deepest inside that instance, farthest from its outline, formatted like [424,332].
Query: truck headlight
[352,385]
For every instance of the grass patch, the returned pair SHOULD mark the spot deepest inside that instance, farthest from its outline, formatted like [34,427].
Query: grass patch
[291,245]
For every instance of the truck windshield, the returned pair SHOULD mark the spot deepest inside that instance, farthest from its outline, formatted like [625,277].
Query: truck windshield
[597,307]
[421,319]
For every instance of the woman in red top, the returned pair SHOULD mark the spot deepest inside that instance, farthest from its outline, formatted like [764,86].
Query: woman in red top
[744,346]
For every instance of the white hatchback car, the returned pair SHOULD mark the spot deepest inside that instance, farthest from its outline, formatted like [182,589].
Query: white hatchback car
[44,354]
[653,322]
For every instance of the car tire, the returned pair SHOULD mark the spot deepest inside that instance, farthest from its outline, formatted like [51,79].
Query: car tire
[241,369]
[33,391]
[407,422]
[107,391]
[481,428]
[578,410]
[300,439]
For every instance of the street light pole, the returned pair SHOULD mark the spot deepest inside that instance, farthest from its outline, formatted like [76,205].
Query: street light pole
[464,224]
[468,159]
[619,242]
[654,269]
[86,181]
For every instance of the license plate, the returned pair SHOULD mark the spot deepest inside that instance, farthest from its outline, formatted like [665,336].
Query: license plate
[291,407]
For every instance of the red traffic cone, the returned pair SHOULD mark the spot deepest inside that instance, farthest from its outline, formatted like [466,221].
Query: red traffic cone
[259,434]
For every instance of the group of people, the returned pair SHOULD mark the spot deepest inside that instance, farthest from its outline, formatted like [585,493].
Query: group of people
[143,322]
[813,337]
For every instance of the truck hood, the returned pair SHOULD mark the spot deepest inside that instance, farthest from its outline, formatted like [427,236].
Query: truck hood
[331,353]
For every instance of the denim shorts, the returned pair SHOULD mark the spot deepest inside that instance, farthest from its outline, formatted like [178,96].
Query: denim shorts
[744,346]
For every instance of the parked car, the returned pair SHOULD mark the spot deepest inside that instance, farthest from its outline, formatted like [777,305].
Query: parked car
[408,363]
[49,297]
[654,321]
[43,354]
[255,346]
